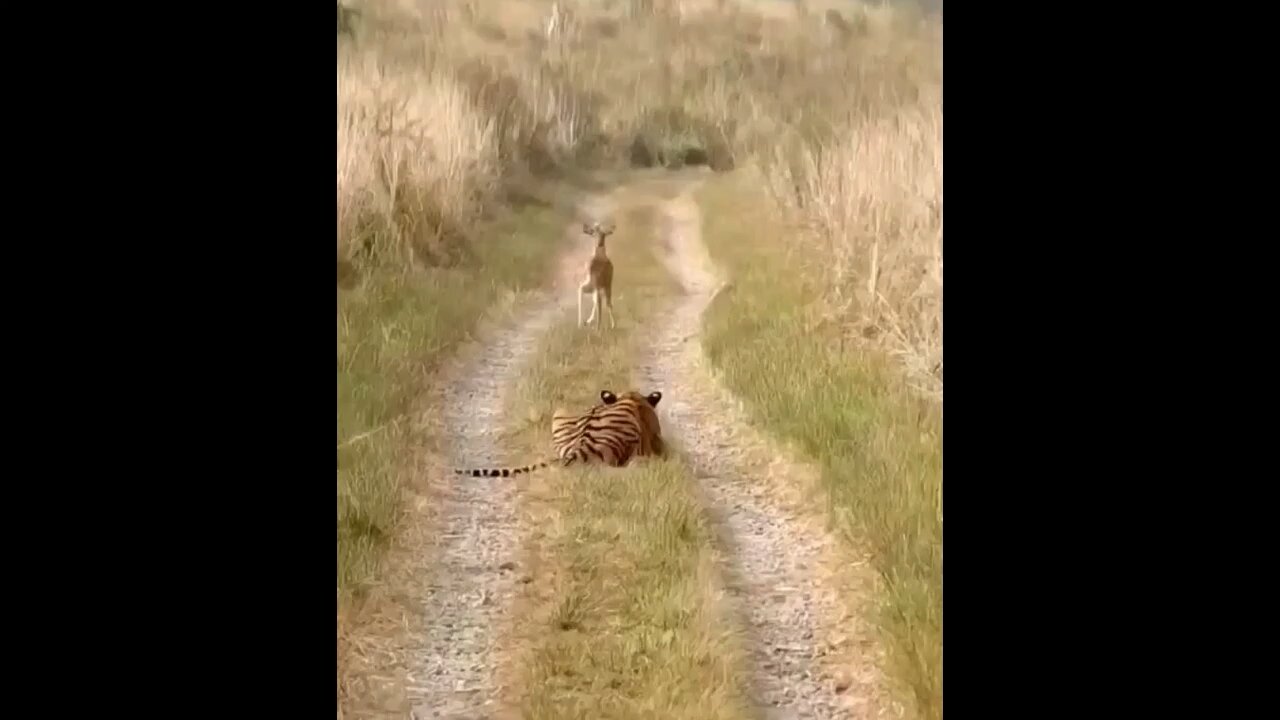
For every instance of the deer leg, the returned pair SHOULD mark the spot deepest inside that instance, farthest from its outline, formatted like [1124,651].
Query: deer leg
[583,290]
[595,307]
[608,303]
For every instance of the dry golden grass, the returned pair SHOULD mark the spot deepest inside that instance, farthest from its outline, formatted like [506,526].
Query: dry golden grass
[620,614]
[872,201]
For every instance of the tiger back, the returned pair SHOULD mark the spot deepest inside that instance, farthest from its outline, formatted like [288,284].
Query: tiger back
[612,433]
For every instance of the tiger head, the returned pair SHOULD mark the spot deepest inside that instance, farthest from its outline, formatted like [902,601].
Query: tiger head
[644,405]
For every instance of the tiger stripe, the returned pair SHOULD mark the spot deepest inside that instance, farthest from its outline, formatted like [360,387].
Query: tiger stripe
[610,433]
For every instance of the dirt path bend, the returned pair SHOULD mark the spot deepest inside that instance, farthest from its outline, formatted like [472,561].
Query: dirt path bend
[803,598]
[455,571]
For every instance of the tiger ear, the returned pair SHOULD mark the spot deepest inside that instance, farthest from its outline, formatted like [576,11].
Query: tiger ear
[607,397]
[653,398]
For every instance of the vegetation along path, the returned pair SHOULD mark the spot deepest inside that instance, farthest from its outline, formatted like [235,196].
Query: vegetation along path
[456,568]
[802,602]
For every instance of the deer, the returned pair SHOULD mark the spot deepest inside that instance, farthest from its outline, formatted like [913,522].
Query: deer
[599,276]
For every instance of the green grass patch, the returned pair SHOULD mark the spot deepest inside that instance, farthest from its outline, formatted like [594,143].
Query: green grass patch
[392,331]
[879,446]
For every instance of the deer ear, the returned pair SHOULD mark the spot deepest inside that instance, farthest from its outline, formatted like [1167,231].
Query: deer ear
[654,398]
[607,397]
[586,228]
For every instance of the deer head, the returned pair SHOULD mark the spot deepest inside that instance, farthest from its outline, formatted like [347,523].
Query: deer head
[598,230]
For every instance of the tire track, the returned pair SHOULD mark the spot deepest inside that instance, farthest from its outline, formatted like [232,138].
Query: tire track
[800,600]
[455,575]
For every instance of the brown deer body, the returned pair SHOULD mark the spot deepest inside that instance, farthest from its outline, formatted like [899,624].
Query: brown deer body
[599,280]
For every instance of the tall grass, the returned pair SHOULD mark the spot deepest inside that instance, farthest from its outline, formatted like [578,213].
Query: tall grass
[415,156]
[877,439]
[874,199]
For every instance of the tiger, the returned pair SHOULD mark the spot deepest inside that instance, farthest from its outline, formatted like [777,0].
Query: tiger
[612,432]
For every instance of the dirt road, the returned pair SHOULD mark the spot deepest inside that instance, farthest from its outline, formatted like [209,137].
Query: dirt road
[798,597]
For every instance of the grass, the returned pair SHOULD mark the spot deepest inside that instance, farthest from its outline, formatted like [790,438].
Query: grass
[448,116]
[845,405]
[622,616]
[391,333]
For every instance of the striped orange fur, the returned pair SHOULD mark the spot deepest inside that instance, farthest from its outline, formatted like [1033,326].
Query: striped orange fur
[610,433]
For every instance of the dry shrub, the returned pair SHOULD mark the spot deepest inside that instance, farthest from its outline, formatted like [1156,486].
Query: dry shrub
[415,158]
[565,103]
[851,148]
[874,196]
[642,155]
[500,96]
